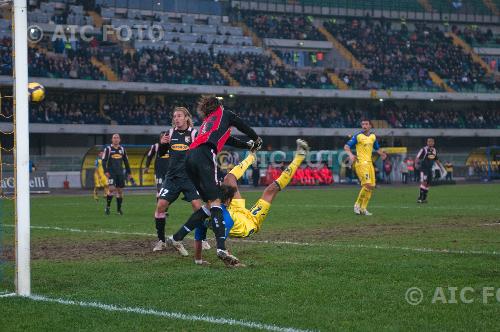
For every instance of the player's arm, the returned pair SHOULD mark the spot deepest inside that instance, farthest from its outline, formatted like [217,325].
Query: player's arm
[127,165]
[420,157]
[349,145]
[380,152]
[237,122]
[239,144]
[105,159]
[151,154]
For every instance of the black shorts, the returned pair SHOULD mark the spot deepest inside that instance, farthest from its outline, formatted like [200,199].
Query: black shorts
[173,187]
[426,175]
[117,180]
[201,167]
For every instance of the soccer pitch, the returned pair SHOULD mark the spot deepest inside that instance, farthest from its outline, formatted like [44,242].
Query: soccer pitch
[314,266]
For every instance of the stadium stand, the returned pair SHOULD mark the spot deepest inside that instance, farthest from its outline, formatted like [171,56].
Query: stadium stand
[282,27]
[262,113]
[403,58]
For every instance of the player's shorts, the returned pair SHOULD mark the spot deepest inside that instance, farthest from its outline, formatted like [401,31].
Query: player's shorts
[201,167]
[366,173]
[116,180]
[247,222]
[173,187]
[426,175]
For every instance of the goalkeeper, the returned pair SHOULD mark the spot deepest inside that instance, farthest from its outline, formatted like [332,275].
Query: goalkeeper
[240,222]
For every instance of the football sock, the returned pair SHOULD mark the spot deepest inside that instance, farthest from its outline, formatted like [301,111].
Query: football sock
[241,168]
[194,221]
[160,222]
[218,226]
[366,200]
[287,175]
[119,201]
[109,198]
[361,196]
[423,193]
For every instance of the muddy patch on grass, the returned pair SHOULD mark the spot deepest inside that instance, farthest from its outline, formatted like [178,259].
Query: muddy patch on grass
[64,250]
[366,231]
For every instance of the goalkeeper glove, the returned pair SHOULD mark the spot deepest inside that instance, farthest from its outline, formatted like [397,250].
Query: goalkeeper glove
[257,145]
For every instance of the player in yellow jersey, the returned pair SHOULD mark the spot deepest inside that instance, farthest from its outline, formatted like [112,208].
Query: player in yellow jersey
[365,142]
[239,221]
[100,179]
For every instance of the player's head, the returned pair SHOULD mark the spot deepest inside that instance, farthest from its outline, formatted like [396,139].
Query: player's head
[181,118]
[227,193]
[163,133]
[430,142]
[366,124]
[115,139]
[207,104]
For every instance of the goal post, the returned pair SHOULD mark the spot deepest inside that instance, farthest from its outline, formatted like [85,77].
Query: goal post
[21,147]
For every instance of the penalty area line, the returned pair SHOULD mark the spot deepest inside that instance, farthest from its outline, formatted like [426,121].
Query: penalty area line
[164,314]
[291,243]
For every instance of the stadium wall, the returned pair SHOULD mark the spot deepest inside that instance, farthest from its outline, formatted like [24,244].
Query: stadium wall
[40,128]
[101,86]
[272,6]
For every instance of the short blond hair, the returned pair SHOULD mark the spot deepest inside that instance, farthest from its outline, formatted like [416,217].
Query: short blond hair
[186,113]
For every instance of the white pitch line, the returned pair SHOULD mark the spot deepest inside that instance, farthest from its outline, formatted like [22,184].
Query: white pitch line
[166,314]
[476,207]
[305,244]
[8,295]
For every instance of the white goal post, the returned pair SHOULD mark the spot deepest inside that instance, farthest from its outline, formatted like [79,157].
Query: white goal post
[21,147]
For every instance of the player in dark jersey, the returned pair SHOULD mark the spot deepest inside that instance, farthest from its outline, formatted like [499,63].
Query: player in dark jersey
[426,158]
[201,166]
[159,150]
[115,157]
[176,180]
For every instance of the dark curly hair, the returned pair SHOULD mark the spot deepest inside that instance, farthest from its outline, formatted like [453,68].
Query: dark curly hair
[227,193]
[207,104]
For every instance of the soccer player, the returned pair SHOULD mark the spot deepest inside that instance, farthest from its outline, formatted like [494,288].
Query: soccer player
[100,180]
[159,150]
[241,222]
[426,158]
[115,157]
[176,180]
[365,143]
[201,165]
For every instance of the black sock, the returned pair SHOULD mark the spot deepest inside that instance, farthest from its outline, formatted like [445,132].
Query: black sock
[109,198]
[160,228]
[218,226]
[119,201]
[194,221]
[425,193]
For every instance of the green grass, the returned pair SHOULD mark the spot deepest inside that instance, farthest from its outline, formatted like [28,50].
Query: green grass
[353,275]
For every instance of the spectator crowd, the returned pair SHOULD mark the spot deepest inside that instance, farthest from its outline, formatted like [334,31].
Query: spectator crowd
[262,112]
[282,27]
[400,58]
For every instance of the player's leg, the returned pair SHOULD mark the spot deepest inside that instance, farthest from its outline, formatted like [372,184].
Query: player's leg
[362,173]
[369,188]
[120,184]
[261,209]
[424,186]
[110,193]
[168,194]
[195,221]
[237,172]
[286,176]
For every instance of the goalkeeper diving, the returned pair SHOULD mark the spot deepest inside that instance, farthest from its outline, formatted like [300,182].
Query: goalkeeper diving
[240,222]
